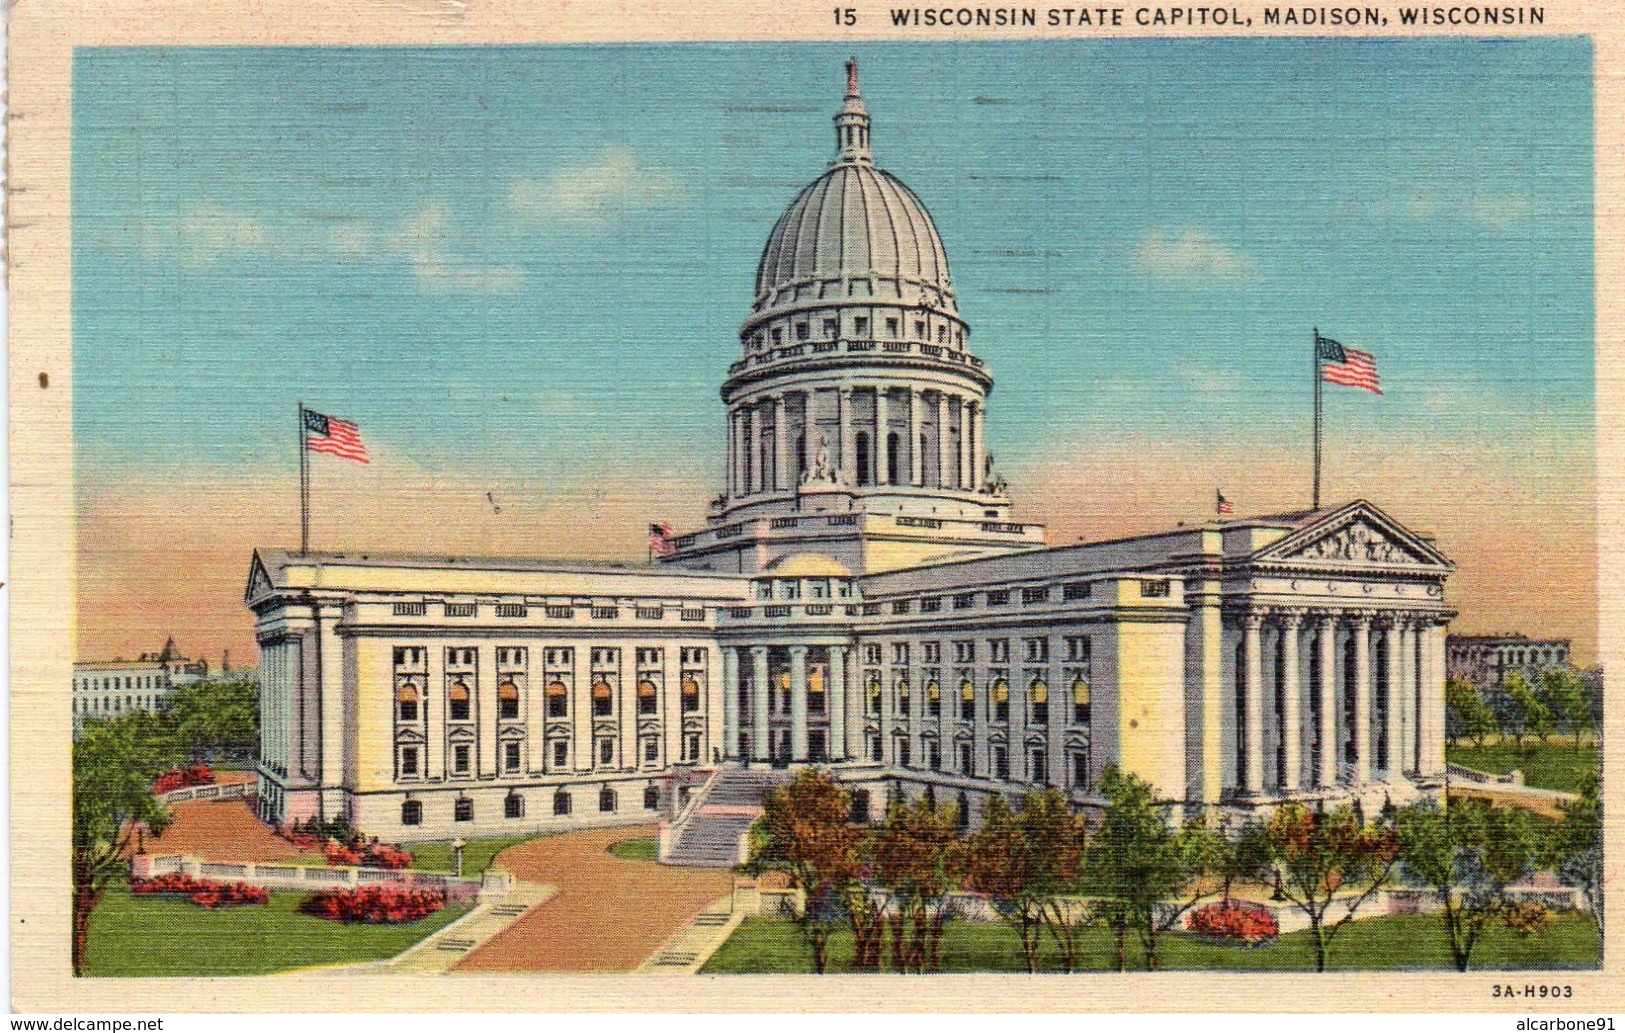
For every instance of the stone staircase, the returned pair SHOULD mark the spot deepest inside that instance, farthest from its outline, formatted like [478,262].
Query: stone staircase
[707,835]
[692,946]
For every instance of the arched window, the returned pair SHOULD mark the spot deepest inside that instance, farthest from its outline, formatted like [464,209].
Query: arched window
[967,700]
[933,697]
[557,699]
[603,699]
[651,798]
[892,452]
[646,697]
[874,697]
[457,700]
[412,812]
[691,694]
[606,800]
[508,701]
[513,806]
[1038,697]
[561,803]
[1001,700]
[902,695]
[1080,700]
[861,449]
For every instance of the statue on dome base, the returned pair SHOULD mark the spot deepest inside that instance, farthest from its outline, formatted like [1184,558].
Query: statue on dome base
[822,471]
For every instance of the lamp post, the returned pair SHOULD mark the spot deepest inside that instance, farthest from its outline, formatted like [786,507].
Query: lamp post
[457,856]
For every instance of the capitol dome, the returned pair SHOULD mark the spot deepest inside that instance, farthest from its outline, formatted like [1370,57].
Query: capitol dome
[856,234]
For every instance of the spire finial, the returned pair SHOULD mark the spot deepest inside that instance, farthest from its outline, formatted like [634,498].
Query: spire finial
[852,77]
[852,123]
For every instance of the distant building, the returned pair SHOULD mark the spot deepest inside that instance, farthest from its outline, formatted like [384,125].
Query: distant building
[1486,660]
[108,688]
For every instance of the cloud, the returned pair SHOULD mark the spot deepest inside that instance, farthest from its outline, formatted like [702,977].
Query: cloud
[1191,254]
[609,186]
[1493,211]
[431,246]
[208,233]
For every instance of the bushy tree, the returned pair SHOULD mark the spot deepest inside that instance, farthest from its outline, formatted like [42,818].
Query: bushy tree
[1576,847]
[804,832]
[1468,855]
[920,857]
[1317,859]
[1566,694]
[114,765]
[209,715]
[1466,712]
[1027,861]
[1528,715]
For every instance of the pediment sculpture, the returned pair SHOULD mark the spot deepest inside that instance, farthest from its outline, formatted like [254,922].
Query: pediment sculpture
[1357,543]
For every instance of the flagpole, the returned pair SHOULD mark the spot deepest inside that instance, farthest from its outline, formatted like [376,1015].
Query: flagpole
[304,486]
[1314,364]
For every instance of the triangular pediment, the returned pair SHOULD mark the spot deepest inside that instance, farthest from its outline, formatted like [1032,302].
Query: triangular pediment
[259,581]
[1358,535]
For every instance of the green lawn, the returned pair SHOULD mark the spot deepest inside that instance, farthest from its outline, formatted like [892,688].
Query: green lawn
[436,856]
[135,936]
[646,849]
[1556,765]
[1389,942]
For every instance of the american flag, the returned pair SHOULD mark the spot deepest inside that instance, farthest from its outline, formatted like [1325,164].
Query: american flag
[1348,367]
[660,543]
[1222,505]
[334,436]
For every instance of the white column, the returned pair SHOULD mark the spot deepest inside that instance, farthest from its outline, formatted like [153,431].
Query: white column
[730,702]
[916,458]
[966,481]
[882,463]
[1393,673]
[1253,701]
[798,703]
[979,459]
[1291,716]
[759,432]
[1431,760]
[835,702]
[759,691]
[1362,699]
[942,439]
[1330,701]
[781,443]
[848,464]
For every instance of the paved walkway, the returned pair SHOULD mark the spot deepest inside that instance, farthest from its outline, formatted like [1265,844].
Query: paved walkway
[688,951]
[609,915]
[444,949]
[220,830]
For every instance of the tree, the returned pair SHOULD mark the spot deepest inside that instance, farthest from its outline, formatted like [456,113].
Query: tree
[1466,712]
[1468,855]
[114,765]
[1026,861]
[1136,861]
[1576,849]
[1529,714]
[208,715]
[920,857]
[1566,693]
[1315,856]
[804,831]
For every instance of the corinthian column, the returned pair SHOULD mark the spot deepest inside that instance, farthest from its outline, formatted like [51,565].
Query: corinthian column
[1362,699]
[1291,712]
[763,481]
[848,463]
[730,702]
[798,703]
[882,464]
[1393,717]
[965,478]
[979,463]
[1330,700]
[1253,701]
[759,693]
[942,439]
[781,443]
[916,458]
[835,702]
[1430,759]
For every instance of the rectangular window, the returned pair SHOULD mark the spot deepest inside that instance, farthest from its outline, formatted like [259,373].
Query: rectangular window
[1001,763]
[1154,589]
[965,765]
[1040,766]
[904,756]
[649,657]
[931,604]
[691,746]
[561,753]
[1039,594]
[1037,650]
[459,760]
[871,653]
[919,329]
[829,329]
[605,613]
[899,654]
[802,331]
[964,600]
[409,760]
[510,756]
[409,609]
[560,657]
[965,652]
[1075,590]
[998,650]
[606,751]
[606,657]
[874,749]
[931,652]
[512,610]
[933,754]
[900,606]
[860,327]
[463,810]
[693,656]
[651,749]
[999,598]
[891,326]
[1077,649]
[462,609]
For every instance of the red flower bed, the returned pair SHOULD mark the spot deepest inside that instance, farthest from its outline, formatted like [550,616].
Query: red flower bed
[369,855]
[183,778]
[375,904]
[1234,920]
[202,892]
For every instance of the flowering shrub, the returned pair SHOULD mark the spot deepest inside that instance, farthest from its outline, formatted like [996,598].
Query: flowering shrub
[375,904]
[183,778]
[370,855]
[1527,919]
[202,892]
[1234,920]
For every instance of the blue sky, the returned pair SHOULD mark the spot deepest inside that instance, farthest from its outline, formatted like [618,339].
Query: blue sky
[532,262]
